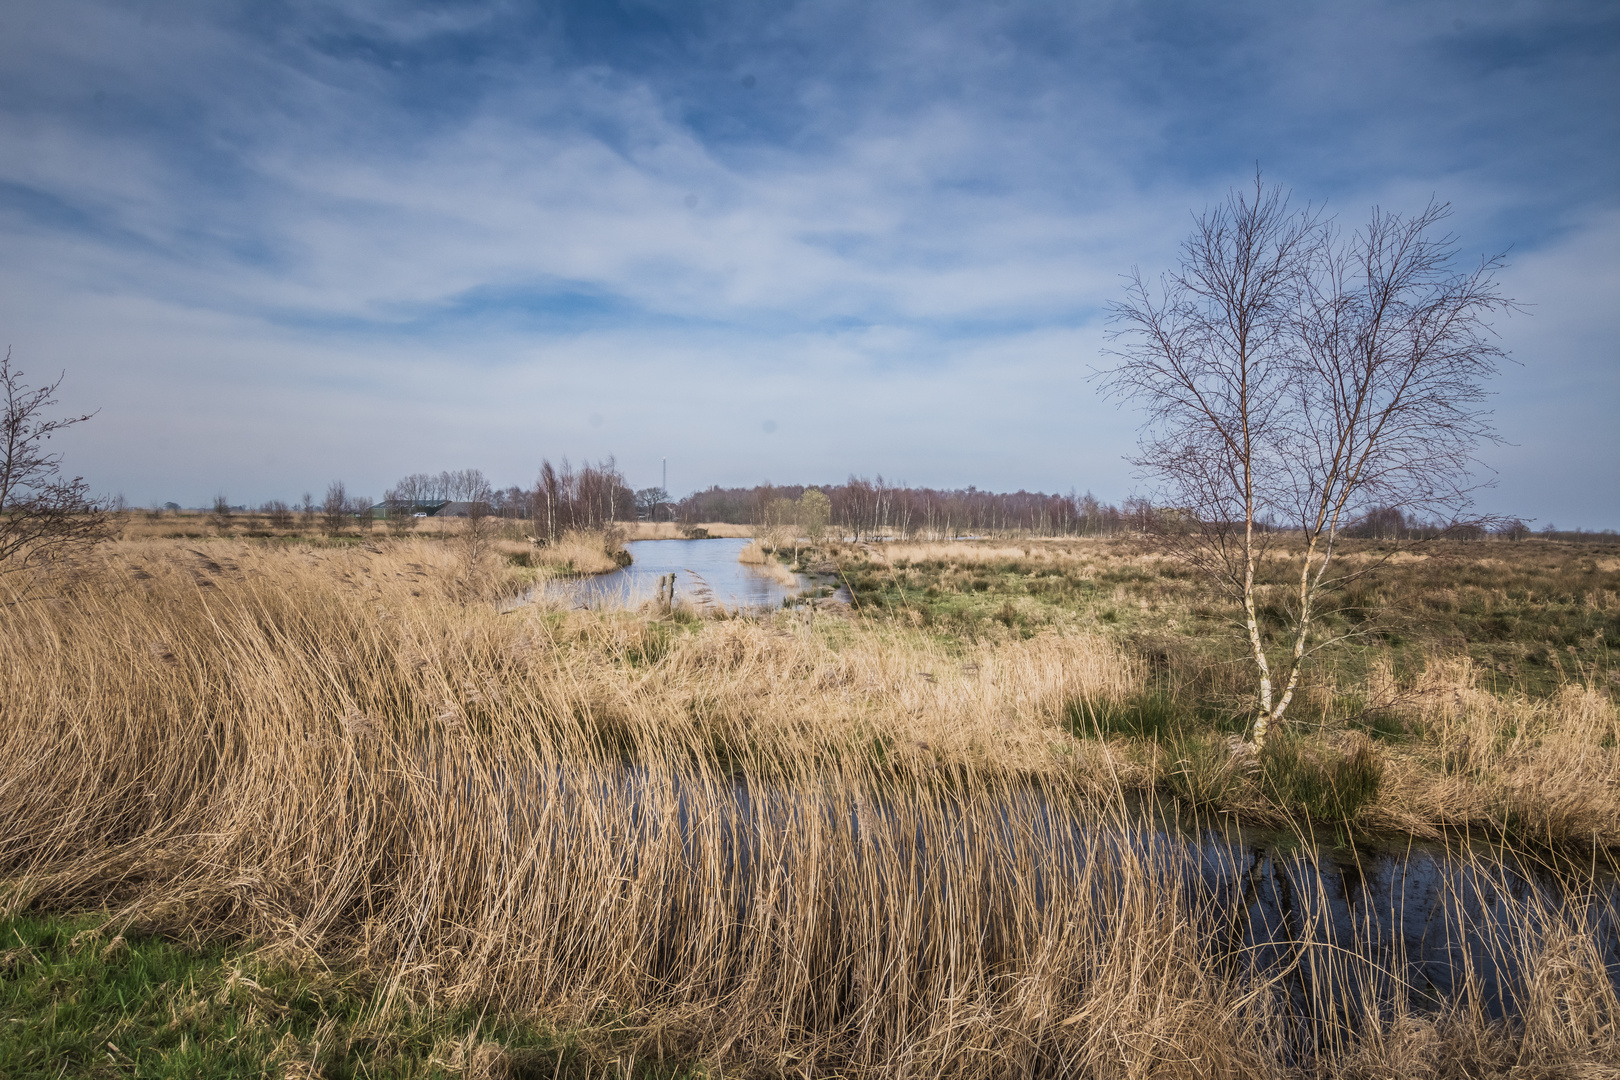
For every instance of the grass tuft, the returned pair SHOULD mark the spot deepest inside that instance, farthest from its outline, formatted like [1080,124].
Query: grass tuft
[1326,784]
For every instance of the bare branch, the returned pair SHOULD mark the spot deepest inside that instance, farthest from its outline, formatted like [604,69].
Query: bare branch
[43,516]
[1293,378]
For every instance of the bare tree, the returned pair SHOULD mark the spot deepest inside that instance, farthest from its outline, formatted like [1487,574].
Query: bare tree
[546,504]
[118,514]
[1295,381]
[594,497]
[334,508]
[815,510]
[359,509]
[478,531]
[648,500]
[778,525]
[461,485]
[220,516]
[416,490]
[42,515]
[278,514]
[401,505]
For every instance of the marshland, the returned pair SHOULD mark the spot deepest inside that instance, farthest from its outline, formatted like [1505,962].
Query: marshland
[342,804]
[877,747]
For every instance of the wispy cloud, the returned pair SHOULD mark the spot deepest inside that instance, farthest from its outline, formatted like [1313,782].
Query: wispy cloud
[384,237]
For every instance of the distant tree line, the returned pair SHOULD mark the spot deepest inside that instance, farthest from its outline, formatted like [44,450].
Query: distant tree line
[862,507]
[423,489]
[591,496]
[595,496]
[1391,523]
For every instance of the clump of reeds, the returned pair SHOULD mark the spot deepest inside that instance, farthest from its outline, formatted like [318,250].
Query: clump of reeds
[676,530]
[578,552]
[758,555]
[747,845]
[1545,770]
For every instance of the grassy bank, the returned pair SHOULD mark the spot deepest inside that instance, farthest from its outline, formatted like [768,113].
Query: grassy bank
[344,757]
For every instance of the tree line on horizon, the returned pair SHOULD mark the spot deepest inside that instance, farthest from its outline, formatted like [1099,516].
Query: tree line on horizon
[596,495]
[863,507]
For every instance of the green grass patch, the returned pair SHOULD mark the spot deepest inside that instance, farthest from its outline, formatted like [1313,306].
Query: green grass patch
[77,1000]
[1536,615]
[1153,714]
[1326,784]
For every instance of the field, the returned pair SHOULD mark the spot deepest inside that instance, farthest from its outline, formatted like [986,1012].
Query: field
[336,808]
[1480,671]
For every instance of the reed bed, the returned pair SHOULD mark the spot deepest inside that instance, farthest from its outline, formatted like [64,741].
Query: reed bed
[673,530]
[1547,771]
[576,552]
[764,559]
[771,847]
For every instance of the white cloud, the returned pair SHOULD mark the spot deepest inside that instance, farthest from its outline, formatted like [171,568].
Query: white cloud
[265,247]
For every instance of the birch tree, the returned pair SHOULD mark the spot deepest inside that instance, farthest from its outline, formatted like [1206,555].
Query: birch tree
[1295,378]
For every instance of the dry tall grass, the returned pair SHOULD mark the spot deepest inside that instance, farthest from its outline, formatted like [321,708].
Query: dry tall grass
[758,556]
[652,530]
[1546,771]
[778,849]
[671,530]
[578,552]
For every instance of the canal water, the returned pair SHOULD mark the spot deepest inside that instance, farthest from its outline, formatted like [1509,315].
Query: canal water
[1336,924]
[707,575]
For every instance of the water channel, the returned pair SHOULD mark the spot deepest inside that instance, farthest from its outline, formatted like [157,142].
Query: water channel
[1335,924]
[707,575]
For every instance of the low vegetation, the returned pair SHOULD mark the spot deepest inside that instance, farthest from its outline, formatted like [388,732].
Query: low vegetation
[577,552]
[82,998]
[1473,687]
[417,820]
[768,560]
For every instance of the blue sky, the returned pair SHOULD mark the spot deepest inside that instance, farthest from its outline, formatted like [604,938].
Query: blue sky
[284,243]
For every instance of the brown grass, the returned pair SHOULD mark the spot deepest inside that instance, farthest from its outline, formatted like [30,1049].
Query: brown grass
[330,750]
[1545,771]
[765,561]
[578,552]
[670,530]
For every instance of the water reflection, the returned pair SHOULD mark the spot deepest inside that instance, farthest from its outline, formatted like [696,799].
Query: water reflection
[1419,925]
[707,574]
[1426,921]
